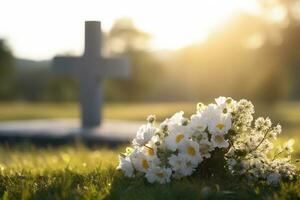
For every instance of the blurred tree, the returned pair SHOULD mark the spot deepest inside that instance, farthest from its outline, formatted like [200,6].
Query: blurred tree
[61,88]
[31,84]
[6,72]
[125,39]
[283,20]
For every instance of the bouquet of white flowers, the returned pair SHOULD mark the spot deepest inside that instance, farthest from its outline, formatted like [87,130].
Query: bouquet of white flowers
[219,139]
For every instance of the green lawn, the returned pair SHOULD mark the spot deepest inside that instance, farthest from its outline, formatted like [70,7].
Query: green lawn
[78,172]
[289,112]
[129,111]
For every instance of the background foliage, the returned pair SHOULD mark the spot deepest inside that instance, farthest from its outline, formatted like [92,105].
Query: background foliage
[249,56]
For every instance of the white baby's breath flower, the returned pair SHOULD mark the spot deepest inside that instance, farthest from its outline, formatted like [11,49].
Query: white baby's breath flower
[219,141]
[144,134]
[288,146]
[126,166]
[158,174]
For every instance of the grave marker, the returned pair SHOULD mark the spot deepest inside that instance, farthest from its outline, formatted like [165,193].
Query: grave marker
[90,69]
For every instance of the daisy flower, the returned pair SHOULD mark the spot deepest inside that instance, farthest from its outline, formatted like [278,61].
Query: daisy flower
[158,174]
[181,165]
[191,149]
[143,163]
[226,103]
[126,166]
[219,141]
[220,124]
[177,135]
[144,134]
[205,147]
[198,124]
[150,149]
[211,112]
[175,119]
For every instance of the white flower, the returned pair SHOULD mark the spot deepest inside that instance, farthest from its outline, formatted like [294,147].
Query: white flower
[181,165]
[202,137]
[150,149]
[288,146]
[200,107]
[205,147]
[158,174]
[191,149]
[219,141]
[220,124]
[175,119]
[211,112]
[231,163]
[177,135]
[144,134]
[198,124]
[226,103]
[186,143]
[273,178]
[141,162]
[221,101]
[126,166]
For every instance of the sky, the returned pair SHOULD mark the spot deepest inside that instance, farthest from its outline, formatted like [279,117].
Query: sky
[41,29]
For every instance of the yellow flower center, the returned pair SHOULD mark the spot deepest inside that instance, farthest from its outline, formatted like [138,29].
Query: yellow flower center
[179,137]
[219,138]
[145,164]
[191,151]
[220,126]
[160,174]
[199,127]
[150,151]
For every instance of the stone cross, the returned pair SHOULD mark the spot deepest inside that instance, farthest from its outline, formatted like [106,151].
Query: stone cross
[90,69]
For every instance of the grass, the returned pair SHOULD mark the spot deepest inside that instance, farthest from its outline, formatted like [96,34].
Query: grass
[285,111]
[78,172]
[128,111]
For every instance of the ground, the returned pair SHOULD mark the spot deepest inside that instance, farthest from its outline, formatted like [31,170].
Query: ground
[79,172]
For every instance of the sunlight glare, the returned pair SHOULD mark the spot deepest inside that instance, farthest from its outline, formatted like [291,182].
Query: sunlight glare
[41,30]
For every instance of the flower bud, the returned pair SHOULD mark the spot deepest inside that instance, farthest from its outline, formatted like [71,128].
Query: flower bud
[151,118]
